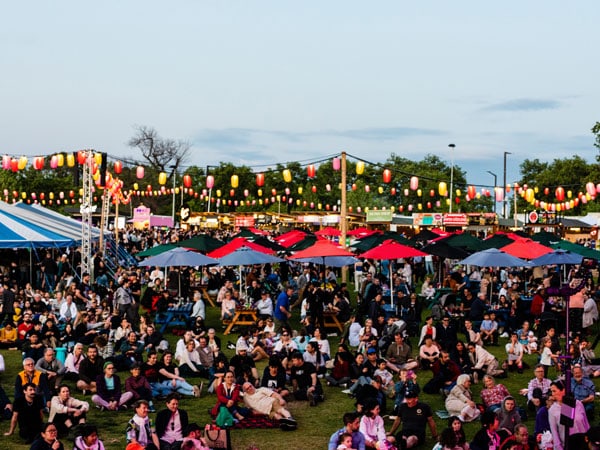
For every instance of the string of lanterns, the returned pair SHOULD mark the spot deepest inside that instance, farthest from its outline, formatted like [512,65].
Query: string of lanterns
[565,200]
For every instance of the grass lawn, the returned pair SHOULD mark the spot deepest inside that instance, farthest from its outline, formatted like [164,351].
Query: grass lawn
[315,424]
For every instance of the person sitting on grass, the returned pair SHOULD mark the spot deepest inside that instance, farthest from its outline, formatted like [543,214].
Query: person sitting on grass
[493,394]
[270,403]
[515,351]
[140,428]
[139,386]
[351,427]
[171,424]
[28,412]
[274,377]
[228,396]
[88,439]
[306,385]
[47,440]
[67,412]
[108,390]
[414,417]
[489,329]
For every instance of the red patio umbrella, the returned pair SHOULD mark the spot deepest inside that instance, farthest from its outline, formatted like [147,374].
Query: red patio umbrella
[325,252]
[526,249]
[362,232]
[235,244]
[328,231]
[290,238]
[389,250]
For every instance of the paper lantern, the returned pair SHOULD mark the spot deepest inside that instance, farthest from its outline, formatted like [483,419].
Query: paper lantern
[546,191]
[235,181]
[6,162]
[139,172]
[387,175]
[60,160]
[260,179]
[419,193]
[218,192]
[287,175]
[81,157]
[406,191]
[360,167]
[310,171]
[70,160]
[570,194]
[432,193]
[590,188]
[54,161]
[287,191]
[499,194]
[300,190]
[38,162]
[210,181]
[393,191]
[162,178]
[98,158]
[23,195]
[598,188]
[336,164]
[353,186]
[118,167]
[560,193]
[22,163]
[273,191]
[328,187]
[380,190]
[529,195]
[442,189]
[414,183]
[136,187]
[259,192]
[367,188]
[187,181]
[232,192]
[471,191]
[428,205]
[246,193]
[313,189]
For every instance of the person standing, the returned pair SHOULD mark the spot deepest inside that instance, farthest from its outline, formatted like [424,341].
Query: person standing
[282,312]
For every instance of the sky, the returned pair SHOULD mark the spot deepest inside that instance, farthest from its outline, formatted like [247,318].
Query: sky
[265,82]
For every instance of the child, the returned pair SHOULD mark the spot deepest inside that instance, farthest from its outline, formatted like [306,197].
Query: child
[489,329]
[345,442]
[532,342]
[387,379]
[548,358]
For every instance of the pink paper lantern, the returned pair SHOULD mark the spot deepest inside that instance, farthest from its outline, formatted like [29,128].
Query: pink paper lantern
[336,164]
[210,181]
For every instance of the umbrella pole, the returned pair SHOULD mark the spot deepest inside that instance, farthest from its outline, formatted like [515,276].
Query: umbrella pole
[391,284]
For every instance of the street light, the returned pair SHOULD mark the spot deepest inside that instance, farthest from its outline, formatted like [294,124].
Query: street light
[452,146]
[495,185]
[174,167]
[504,186]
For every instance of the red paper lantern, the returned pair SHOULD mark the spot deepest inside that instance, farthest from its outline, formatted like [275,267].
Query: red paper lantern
[260,179]
[313,188]
[393,191]
[546,191]
[471,191]
[273,191]
[187,181]
[118,167]
[232,192]
[560,194]
[310,171]
[14,165]
[81,157]
[387,175]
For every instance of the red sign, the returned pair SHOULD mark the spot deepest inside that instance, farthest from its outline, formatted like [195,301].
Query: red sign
[244,221]
[456,220]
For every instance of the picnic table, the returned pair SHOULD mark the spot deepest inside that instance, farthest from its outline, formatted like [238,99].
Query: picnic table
[176,315]
[330,320]
[242,316]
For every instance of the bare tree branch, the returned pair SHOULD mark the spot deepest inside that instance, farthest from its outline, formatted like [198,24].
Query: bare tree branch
[160,153]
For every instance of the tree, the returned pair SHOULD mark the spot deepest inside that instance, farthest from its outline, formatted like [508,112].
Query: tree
[596,132]
[159,152]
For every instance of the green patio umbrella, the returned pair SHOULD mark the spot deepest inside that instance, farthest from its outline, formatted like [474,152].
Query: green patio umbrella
[497,241]
[153,251]
[576,248]
[372,241]
[465,241]
[202,242]
[546,238]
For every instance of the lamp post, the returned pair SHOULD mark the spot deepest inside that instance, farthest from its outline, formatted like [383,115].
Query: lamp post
[174,167]
[452,146]
[495,185]
[504,186]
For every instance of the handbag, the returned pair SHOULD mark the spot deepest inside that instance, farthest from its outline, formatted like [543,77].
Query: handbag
[224,418]
[217,438]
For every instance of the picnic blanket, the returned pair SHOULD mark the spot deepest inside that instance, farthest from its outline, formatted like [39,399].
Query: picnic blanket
[442,414]
[258,421]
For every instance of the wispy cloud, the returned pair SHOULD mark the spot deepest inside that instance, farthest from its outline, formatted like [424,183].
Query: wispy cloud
[383,134]
[524,104]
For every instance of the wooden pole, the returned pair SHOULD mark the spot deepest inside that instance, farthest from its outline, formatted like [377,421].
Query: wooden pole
[343,219]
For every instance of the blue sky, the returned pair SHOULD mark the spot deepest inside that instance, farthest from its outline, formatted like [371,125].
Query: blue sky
[261,82]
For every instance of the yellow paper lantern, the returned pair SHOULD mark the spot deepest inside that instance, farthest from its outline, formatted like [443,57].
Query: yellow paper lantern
[162,178]
[380,190]
[529,195]
[235,181]
[360,167]
[136,187]
[60,159]
[51,195]
[300,190]
[442,189]
[22,162]
[259,193]
[287,175]
[177,190]
[458,192]
[218,192]
[569,194]
[23,195]
[419,192]
[98,158]
[70,159]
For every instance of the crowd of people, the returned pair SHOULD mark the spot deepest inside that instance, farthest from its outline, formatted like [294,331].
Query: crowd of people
[100,341]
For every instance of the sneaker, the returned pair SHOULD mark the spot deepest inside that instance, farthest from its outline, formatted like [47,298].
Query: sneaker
[311,399]
[347,391]
[284,426]
[289,421]
[504,335]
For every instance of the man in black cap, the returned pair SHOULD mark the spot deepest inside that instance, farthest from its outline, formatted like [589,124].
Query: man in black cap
[414,416]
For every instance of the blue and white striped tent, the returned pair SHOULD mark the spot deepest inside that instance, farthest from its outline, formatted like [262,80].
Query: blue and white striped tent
[16,232]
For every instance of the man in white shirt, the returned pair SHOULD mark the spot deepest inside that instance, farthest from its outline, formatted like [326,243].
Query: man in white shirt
[67,310]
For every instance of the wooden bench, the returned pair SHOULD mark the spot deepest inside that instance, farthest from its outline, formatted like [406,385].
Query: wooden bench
[330,320]
[210,299]
[242,316]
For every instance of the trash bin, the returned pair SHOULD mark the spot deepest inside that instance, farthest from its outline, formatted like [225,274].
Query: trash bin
[61,354]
